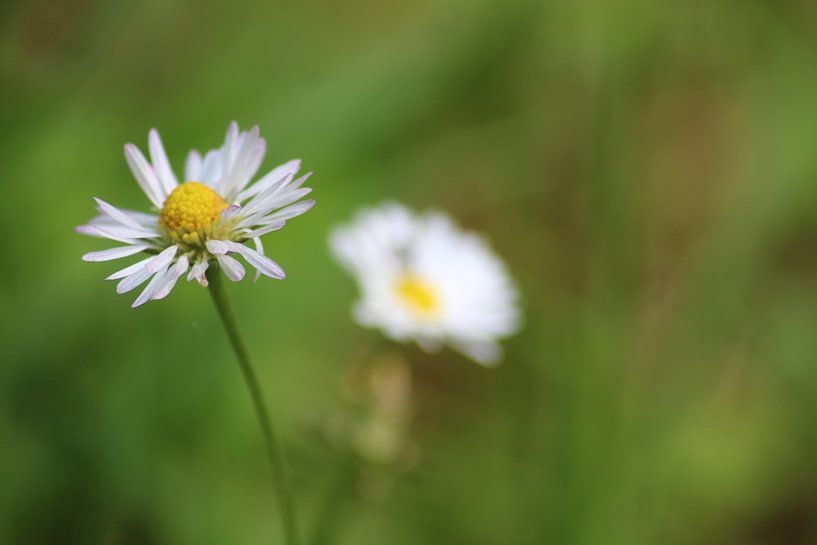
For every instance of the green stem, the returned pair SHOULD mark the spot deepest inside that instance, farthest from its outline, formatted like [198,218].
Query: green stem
[274,449]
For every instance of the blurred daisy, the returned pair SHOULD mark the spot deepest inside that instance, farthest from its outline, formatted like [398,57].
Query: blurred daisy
[421,278]
[202,221]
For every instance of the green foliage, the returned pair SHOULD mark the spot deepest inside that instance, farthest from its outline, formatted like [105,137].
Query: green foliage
[647,169]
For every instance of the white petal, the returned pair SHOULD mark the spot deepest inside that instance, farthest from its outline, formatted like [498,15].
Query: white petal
[293,211]
[178,269]
[144,175]
[159,159]
[285,213]
[118,215]
[147,222]
[118,234]
[289,197]
[127,271]
[282,199]
[192,168]
[261,262]
[211,168]
[232,268]
[244,165]
[273,177]
[265,265]
[253,206]
[134,279]
[163,259]
[217,163]
[259,247]
[274,226]
[219,247]
[300,181]
[153,286]
[231,211]
[198,272]
[230,146]
[261,205]
[114,253]
[89,229]
[111,231]
[280,190]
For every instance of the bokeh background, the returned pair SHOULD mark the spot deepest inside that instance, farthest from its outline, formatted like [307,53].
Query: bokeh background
[647,169]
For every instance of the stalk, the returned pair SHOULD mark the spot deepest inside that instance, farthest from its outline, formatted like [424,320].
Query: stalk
[275,451]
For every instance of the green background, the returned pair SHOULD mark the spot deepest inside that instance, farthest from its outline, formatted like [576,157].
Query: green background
[647,169]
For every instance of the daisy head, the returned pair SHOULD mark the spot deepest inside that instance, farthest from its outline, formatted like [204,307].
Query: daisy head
[203,220]
[423,279]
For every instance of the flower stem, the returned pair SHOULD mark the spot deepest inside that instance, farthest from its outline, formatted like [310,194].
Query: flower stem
[274,449]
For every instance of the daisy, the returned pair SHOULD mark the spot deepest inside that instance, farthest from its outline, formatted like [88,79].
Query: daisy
[423,279]
[202,221]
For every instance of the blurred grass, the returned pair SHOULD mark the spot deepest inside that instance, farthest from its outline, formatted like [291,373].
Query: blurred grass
[647,169]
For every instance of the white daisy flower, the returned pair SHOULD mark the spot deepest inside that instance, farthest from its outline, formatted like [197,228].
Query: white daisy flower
[421,278]
[202,221]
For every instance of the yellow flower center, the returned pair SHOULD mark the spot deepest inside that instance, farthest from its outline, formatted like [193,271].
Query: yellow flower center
[190,212]
[418,294]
